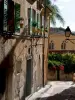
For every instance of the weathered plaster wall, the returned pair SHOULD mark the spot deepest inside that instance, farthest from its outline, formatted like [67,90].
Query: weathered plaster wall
[13,56]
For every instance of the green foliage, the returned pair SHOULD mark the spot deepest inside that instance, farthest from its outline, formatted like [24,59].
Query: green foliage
[34,24]
[52,63]
[55,13]
[68,60]
[57,57]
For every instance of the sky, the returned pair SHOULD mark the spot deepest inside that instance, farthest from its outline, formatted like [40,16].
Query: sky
[67,10]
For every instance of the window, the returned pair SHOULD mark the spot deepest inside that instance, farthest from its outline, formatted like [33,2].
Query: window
[33,15]
[51,46]
[38,22]
[17,17]
[32,19]
[5,16]
[63,45]
[10,21]
[1,16]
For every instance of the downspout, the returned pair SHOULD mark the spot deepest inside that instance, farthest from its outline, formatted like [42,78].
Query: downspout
[44,40]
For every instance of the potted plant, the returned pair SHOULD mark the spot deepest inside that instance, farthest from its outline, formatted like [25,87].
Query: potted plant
[21,22]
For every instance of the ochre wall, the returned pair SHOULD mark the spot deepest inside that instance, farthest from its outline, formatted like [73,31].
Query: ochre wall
[59,38]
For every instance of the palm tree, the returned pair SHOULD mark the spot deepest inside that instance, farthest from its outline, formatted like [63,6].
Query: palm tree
[55,13]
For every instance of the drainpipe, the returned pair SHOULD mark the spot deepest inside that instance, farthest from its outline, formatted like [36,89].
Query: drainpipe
[44,39]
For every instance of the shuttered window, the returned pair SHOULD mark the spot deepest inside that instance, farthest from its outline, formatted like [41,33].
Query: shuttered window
[17,17]
[11,16]
[32,19]
[38,22]
[29,21]
[1,16]
[5,15]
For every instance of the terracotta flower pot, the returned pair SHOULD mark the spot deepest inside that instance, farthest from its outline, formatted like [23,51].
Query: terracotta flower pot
[21,25]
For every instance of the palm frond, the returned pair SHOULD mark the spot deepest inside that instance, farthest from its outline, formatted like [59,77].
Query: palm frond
[52,20]
[55,13]
[60,18]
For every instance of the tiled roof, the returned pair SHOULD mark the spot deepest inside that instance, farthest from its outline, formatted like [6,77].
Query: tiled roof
[57,30]
[60,30]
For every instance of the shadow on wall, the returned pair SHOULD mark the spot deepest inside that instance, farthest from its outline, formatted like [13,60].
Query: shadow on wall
[8,63]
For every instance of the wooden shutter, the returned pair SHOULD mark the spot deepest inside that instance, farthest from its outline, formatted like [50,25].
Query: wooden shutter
[5,15]
[17,17]
[29,20]
[11,16]
[1,16]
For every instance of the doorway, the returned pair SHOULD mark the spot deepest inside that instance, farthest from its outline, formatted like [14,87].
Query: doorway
[28,77]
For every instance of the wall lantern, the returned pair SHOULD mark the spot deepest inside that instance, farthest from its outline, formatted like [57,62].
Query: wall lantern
[21,22]
[67,32]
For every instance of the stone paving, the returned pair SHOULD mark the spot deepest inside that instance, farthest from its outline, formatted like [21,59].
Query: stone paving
[57,91]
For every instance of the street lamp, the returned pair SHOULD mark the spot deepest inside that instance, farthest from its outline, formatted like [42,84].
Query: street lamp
[67,32]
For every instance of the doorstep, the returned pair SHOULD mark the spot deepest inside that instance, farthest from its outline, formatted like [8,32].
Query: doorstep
[38,93]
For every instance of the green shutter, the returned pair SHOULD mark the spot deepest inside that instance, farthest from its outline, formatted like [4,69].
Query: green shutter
[38,15]
[17,17]
[38,21]
[5,15]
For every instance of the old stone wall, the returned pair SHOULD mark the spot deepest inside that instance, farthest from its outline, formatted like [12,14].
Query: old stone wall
[52,75]
[14,54]
[18,52]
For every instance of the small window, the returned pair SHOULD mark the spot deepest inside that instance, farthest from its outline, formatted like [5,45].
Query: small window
[63,45]
[51,46]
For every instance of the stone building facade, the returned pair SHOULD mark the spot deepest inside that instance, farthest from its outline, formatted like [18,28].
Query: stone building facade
[21,60]
[59,43]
